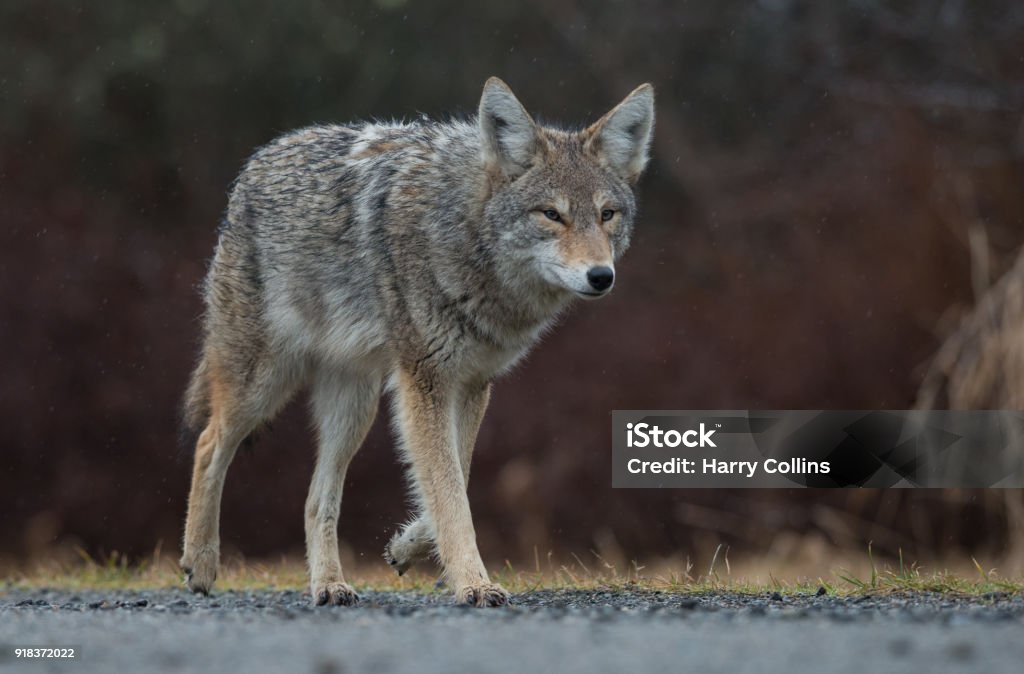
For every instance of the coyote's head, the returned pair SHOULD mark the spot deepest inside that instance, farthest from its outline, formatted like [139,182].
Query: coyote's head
[562,202]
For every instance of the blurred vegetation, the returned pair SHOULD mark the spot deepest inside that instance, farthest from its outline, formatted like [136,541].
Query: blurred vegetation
[832,185]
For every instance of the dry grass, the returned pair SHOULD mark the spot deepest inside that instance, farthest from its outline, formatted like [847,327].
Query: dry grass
[867,576]
[980,366]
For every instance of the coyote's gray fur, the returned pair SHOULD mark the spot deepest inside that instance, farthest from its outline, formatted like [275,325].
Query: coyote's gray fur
[425,258]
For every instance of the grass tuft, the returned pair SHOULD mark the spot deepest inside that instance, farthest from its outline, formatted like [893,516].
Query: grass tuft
[115,572]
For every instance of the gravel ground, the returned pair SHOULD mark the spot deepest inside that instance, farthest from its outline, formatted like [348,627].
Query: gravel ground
[558,631]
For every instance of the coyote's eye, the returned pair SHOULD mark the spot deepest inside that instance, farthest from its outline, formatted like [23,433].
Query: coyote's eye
[552,214]
[607,214]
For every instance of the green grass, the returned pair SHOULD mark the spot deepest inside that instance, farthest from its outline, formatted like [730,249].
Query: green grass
[115,572]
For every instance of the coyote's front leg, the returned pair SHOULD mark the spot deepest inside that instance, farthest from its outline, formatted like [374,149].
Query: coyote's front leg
[426,405]
[414,542]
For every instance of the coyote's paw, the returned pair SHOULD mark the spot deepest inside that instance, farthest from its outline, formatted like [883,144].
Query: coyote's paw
[333,594]
[485,594]
[406,548]
[200,569]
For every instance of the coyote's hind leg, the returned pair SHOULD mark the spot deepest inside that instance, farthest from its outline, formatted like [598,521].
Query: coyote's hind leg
[226,427]
[344,407]
[236,407]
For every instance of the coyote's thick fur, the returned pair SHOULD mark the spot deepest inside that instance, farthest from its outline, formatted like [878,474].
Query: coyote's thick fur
[425,258]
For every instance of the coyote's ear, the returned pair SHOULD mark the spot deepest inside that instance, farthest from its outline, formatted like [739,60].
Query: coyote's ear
[508,132]
[622,138]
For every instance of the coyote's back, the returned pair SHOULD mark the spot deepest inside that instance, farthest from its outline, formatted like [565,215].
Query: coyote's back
[425,257]
[302,267]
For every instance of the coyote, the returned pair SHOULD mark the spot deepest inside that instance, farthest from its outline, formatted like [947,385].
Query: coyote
[424,258]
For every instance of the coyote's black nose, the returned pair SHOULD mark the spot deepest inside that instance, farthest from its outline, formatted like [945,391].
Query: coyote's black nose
[600,278]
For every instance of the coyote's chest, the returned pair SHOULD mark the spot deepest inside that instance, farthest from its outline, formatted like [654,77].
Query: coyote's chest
[486,359]
[484,362]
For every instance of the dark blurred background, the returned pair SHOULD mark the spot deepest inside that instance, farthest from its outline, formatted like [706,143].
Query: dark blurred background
[832,184]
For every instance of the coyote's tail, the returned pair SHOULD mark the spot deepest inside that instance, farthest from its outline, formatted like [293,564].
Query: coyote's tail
[195,411]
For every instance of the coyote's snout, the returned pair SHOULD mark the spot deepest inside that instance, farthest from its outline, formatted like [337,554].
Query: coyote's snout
[421,258]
